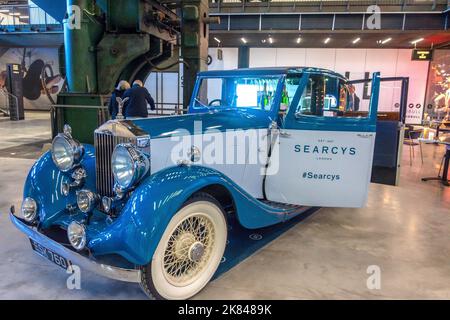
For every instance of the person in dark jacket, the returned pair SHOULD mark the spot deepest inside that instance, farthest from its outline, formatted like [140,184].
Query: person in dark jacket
[354,100]
[118,93]
[136,106]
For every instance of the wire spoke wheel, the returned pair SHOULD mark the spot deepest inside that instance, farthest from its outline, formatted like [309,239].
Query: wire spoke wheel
[189,251]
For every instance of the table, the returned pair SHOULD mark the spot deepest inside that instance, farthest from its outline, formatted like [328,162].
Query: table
[444,178]
[443,128]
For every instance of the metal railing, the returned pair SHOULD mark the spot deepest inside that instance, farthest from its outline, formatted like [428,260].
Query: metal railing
[23,18]
[8,101]
[343,2]
[440,5]
[166,109]
[162,108]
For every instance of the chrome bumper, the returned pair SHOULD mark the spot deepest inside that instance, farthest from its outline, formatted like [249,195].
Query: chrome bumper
[127,275]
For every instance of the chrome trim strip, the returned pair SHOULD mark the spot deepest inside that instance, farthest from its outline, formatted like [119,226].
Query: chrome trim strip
[127,275]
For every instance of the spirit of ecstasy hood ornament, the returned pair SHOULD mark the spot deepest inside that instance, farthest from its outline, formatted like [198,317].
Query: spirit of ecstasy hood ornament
[121,102]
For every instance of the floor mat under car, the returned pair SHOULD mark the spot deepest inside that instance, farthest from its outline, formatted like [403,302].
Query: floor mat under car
[242,243]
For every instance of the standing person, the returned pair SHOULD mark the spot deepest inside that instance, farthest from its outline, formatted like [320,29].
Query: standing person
[136,106]
[353,103]
[118,93]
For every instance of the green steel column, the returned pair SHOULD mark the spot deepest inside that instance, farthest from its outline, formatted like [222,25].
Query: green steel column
[194,42]
[80,45]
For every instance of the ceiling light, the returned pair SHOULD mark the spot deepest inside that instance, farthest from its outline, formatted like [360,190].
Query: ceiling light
[244,40]
[327,40]
[299,40]
[386,40]
[24,17]
[15,14]
[416,41]
[270,39]
[4,10]
[217,40]
[356,40]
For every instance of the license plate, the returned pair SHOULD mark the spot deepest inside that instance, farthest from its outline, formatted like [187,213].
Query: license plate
[50,255]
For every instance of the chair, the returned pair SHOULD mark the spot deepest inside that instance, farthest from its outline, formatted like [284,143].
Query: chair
[412,139]
[443,127]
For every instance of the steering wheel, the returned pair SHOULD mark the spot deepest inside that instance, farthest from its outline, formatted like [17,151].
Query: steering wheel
[214,101]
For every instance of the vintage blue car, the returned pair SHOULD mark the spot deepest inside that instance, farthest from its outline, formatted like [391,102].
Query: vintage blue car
[149,201]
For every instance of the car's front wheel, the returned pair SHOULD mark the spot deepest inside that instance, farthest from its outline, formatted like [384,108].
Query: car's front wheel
[189,252]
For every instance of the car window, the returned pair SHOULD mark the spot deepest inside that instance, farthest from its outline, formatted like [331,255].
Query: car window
[328,96]
[290,88]
[256,93]
[237,92]
[210,92]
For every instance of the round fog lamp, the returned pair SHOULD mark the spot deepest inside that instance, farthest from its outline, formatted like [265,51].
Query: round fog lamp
[29,209]
[86,200]
[76,233]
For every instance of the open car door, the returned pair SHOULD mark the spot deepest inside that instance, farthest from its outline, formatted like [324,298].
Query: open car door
[391,116]
[322,155]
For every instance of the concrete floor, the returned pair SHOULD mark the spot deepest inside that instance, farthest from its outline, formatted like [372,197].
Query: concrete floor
[404,230]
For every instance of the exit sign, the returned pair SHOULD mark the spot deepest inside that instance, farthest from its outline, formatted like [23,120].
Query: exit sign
[424,55]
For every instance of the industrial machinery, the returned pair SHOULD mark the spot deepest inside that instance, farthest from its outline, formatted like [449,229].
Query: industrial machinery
[107,41]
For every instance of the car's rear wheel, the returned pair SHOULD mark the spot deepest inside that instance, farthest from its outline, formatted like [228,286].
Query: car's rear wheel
[189,251]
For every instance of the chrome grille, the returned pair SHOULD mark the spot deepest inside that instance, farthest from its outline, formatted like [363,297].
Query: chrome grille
[104,143]
[106,138]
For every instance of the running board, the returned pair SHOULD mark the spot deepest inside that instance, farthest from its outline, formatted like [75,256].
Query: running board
[292,210]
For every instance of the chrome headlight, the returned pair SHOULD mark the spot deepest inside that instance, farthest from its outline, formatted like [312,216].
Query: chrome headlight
[66,152]
[129,165]
[29,209]
[86,200]
[76,233]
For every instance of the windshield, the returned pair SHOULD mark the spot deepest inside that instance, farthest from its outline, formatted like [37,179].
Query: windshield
[237,92]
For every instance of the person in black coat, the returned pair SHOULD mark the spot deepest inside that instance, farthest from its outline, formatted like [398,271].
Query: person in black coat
[136,106]
[118,93]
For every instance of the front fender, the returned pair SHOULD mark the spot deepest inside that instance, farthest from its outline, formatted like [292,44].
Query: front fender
[44,182]
[137,231]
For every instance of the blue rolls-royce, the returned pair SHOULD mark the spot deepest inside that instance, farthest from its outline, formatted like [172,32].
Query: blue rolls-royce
[149,201]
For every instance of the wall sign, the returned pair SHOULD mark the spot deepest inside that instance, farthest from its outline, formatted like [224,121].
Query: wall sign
[422,55]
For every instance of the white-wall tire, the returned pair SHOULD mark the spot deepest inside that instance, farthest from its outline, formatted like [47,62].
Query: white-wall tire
[189,251]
